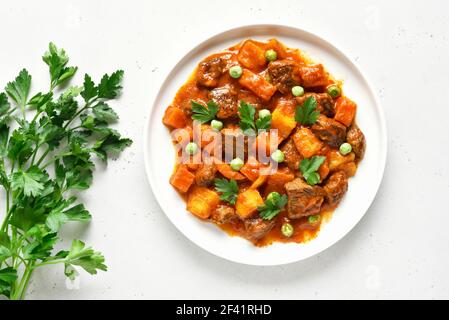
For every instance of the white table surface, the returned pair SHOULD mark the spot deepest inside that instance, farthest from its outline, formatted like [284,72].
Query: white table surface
[401,247]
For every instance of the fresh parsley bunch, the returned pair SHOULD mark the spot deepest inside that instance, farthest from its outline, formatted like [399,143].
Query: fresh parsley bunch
[47,144]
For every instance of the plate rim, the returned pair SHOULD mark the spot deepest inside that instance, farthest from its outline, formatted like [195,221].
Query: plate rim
[168,75]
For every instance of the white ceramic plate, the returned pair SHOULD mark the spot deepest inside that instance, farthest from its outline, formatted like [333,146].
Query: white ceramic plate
[362,187]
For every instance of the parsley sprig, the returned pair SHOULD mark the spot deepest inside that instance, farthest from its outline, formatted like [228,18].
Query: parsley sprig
[307,114]
[228,189]
[247,113]
[272,206]
[309,168]
[203,114]
[51,130]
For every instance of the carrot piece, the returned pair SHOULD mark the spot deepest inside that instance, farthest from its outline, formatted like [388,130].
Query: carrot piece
[345,110]
[307,144]
[251,169]
[251,56]
[277,180]
[182,179]
[248,202]
[202,202]
[314,76]
[283,117]
[174,117]
[259,181]
[257,84]
[226,170]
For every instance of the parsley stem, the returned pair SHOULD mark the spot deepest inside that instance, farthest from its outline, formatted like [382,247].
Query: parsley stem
[43,156]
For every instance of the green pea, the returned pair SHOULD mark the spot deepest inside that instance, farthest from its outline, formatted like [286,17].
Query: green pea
[273,196]
[287,230]
[298,91]
[236,164]
[271,55]
[264,113]
[345,148]
[314,219]
[334,91]
[191,148]
[217,125]
[235,72]
[278,156]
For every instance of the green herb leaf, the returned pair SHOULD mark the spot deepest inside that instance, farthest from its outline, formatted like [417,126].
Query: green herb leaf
[86,258]
[307,114]
[31,182]
[4,104]
[273,206]
[309,168]
[228,188]
[203,114]
[89,89]
[58,216]
[104,113]
[247,113]
[57,59]
[110,85]
[19,89]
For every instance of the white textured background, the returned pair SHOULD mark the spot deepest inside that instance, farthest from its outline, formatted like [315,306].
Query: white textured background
[399,250]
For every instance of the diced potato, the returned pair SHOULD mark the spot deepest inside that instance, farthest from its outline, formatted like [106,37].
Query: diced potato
[202,202]
[323,170]
[336,159]
[345,110]
[283,118]
[251,56]
[226,170]
[248,202]
[257,84]
[182,179]
[348,168]
[277,180]
[174,117]
[307,144]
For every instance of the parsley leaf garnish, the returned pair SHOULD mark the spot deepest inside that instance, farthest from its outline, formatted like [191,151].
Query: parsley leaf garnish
[309,169]
[58,130]
[272,206]
[203,114]
[247,113]
[228,189]
[307,113]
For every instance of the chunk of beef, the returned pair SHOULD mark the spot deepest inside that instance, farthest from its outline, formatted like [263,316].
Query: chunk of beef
[257,228]
[325,103]
[205,175]
[292,156]
[303,199]
[284,74]
[313,76]
[223,214]
[335,188]
[226,98]
[356,138]
[209,71]
[329,131]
